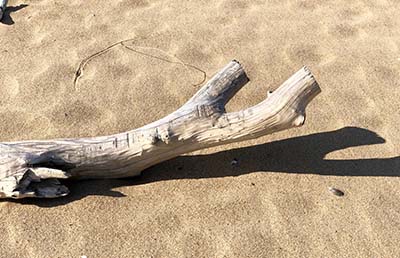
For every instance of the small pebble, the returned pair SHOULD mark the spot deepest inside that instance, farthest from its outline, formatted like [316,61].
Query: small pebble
[336,191]
[234,162]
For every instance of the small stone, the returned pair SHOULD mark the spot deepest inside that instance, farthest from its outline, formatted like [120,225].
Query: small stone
[336,191]
[234,162]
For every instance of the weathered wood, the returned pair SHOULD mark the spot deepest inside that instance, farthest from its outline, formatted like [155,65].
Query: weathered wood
[31,168]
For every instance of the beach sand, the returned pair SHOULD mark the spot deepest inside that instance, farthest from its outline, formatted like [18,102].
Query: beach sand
[276,202]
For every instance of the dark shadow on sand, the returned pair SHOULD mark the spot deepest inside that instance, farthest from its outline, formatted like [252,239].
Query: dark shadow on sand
[300,155]
[7,19]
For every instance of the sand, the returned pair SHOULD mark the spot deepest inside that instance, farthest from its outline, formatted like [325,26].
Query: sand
[276,203]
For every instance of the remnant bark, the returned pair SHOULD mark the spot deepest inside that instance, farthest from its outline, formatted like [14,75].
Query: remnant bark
[32,168]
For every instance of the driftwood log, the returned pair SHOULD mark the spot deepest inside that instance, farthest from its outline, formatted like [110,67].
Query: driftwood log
[33,168]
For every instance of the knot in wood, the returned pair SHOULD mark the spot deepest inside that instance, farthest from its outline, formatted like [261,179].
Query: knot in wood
[163,134]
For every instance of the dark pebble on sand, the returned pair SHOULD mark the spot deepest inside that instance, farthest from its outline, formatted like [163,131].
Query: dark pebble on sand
[336,191]
[234,162]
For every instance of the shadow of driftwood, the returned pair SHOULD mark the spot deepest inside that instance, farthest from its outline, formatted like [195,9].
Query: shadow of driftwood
[7,19]
[301,155]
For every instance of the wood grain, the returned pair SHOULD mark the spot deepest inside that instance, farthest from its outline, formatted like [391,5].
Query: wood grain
[32,168]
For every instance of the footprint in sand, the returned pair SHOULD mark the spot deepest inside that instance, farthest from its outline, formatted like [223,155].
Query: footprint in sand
[309,54]
[75,112]
[9,88]
[17,124]
[134,4]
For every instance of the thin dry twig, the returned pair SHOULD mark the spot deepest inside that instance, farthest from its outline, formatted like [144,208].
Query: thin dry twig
[84,62]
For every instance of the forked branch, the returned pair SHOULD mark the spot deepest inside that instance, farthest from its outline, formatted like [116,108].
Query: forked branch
[32,168]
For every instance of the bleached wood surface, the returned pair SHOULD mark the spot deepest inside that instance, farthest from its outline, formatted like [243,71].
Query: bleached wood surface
[32,168]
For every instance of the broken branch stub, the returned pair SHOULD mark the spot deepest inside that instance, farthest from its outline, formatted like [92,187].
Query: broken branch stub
[33,168]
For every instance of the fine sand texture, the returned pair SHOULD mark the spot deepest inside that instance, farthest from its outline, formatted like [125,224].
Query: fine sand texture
[275,202]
